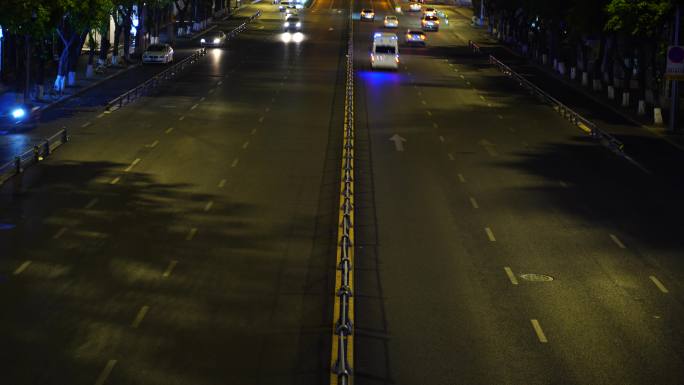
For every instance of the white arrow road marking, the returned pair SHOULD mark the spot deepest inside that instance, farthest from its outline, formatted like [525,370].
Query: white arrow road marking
[398,142]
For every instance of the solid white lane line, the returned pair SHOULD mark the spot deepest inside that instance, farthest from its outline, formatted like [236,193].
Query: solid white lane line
[168,130]
[59,233]
[539,331]
[659,284]
[461,178]
[90,204]
[235,162]
[136,161]
[208,206]
[245,144]
[21,268]
[222,183]
[102,378]
[193,107]
[617,241]
[191,234]
[169,269]
[139,317]
[473,202]
[441,138]
[511,276]
[490,234]
[451,156]
[86,124]
[153,144]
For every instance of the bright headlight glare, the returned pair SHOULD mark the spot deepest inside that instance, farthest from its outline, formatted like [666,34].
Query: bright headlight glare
[18,113]
[299,24]
[287,24]
[217,40]
[202,40]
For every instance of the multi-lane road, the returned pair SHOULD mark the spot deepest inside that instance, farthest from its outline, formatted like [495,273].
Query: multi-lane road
[189,238]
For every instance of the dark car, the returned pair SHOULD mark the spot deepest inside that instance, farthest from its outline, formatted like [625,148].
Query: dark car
[292,24]
[414,37]
[430,23]
[216,39]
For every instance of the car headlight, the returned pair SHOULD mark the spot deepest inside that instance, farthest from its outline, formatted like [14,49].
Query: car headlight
[217,40]
[299,24]
[202,40]
[287,24]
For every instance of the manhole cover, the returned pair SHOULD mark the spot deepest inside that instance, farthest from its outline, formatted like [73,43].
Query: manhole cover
[536,277]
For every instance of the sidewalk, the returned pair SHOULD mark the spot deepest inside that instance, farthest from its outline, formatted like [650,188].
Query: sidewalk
[650,145]
[90,95]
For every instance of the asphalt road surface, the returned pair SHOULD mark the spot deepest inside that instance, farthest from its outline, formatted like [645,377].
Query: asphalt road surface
[189,238]
[488,196]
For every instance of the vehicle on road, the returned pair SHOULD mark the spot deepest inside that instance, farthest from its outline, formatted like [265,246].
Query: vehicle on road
[158,53]
[15,117]
[292,24]
[367,14]
[415,37]
[443,16]
[429,12]
[385,51]
[429,23]
[290,12]
[391,22]
[415,7]
[284,4]
[215,39]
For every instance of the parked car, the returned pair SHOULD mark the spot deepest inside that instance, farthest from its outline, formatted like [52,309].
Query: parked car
[158,53]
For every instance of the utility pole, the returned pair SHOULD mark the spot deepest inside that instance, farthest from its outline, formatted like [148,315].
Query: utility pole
[674,95]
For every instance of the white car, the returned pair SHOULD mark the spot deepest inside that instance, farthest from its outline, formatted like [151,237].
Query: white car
[385,51]
[430,12]
[284,4]
[367,14]
[158,53]
[415,7]
[391,22]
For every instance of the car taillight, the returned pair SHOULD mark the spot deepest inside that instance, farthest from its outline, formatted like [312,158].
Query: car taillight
[422,37]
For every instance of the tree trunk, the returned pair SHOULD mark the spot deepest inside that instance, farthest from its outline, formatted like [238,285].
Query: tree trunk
[117,38]
[104,45]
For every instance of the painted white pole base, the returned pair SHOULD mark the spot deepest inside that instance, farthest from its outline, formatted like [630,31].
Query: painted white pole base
[573,73]
[71,78]
[611,92]
[625,99]
[585,79]
[641,108]
[657,115]
[90,72]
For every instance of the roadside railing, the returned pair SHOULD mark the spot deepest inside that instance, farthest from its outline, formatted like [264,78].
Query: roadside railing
[342,357]
[566,112]
[169,73]
[33,155]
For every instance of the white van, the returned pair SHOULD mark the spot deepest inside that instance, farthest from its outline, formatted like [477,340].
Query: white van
[385,51]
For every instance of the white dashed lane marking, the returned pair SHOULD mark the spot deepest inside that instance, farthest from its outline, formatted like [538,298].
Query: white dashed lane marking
[169,269]
[168,130]
[538,330]
[153,144]
[191,234]
[182,117]
[208,206]
[235,162]
[139,317]
[659,284]
[130,167]
[115,180]
[102,378]
[510,275]
[473,203]
[91,203]
[86,124]
[490,234]
[59,233]
[222,183]
[617,241]
[244,145]
[461,178]
[21,268]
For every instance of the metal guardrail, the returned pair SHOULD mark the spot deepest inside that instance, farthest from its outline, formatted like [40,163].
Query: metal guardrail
[169,73]
[33,155]
[342,357]
[607,140]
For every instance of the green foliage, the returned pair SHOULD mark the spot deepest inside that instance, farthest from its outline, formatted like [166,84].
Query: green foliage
[642,18]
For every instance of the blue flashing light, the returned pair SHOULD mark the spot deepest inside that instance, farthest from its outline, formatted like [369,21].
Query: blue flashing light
[18,113]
